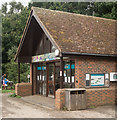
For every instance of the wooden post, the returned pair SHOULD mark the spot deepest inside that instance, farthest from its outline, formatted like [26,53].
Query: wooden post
[18,72]
[61,72]
[47,77]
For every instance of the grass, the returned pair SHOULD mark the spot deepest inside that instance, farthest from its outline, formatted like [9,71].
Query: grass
[14,95]
[8,91]
[92,107]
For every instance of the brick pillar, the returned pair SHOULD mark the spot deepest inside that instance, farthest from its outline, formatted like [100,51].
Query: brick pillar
[60,99]
[79,73]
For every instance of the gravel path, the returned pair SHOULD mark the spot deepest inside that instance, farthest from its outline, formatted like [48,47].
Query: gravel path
[17,108]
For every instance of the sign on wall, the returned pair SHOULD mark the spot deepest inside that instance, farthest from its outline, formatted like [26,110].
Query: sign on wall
[113,76]
[44,57]
[97,79]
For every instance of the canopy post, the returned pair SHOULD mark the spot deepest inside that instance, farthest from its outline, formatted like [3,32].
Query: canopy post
[18,72]
[61,72]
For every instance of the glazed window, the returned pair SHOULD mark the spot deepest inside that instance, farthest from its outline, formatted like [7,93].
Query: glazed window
[41,72]
[97,80]
[69,71]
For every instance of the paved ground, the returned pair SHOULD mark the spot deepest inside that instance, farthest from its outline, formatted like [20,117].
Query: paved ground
[17,108]
[46,102]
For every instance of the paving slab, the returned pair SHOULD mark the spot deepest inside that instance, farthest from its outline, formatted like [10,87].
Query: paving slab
[43,101]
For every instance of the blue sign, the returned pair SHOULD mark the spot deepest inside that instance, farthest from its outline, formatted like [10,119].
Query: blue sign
[72,66]
[38,68]
[67,67]
[43,67]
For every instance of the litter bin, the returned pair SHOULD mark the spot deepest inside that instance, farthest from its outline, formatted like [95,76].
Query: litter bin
[75,99]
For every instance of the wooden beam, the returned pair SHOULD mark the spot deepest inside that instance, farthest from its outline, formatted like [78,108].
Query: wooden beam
[18,72]
[47,78]
[61,72]
[54,80]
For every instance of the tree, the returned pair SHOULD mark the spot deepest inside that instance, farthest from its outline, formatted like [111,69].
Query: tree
[4,8]
[12,28]
[99,9]
[19,6]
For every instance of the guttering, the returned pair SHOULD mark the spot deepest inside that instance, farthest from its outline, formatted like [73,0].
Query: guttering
[88,54]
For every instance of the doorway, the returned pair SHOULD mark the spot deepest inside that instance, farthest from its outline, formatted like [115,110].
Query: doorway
[41,79]
[51,80]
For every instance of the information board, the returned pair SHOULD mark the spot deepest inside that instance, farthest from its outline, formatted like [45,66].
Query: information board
[97,79]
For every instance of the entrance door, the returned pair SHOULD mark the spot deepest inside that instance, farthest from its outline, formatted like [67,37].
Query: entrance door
[51,80]
[41,79]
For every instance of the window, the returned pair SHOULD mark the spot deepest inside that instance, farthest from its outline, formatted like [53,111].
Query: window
[97,80]
[69,71]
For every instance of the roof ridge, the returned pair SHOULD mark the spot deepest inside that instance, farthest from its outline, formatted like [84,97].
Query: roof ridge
[75,14]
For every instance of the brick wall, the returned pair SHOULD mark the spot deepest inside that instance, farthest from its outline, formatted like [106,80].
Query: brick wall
[94,96]
[103,96]
[85,64]
[23,89]
[60,99]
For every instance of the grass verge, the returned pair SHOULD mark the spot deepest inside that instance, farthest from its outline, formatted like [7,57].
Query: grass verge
[7,91]
[14,95]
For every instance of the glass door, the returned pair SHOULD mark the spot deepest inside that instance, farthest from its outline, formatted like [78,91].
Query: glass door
[41,79]
[51,80]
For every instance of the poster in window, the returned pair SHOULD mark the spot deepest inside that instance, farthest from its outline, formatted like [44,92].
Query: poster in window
[65,79]
[40,77]
[97,79]
[106,76]
[37,77]
[43,78]
[87,76]
[73,79]
[68,79]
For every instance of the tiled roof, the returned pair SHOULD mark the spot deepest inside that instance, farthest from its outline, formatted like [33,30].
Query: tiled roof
[79,33]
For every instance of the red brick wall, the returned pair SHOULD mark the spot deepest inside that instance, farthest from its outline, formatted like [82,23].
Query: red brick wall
[103,96]
[23,89]
[94,96]
[60,99]
[84,64]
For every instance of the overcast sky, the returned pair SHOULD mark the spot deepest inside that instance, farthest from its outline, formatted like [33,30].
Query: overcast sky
[24,2]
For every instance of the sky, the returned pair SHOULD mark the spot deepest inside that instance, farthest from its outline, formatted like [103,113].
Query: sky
[24,2]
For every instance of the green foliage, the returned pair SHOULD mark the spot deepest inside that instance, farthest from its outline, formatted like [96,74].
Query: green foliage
[13,23]
[8,91]
[99,9]
[14,95]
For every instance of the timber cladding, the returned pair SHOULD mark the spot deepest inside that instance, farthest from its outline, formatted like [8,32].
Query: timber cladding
[95,65]
[23,89]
